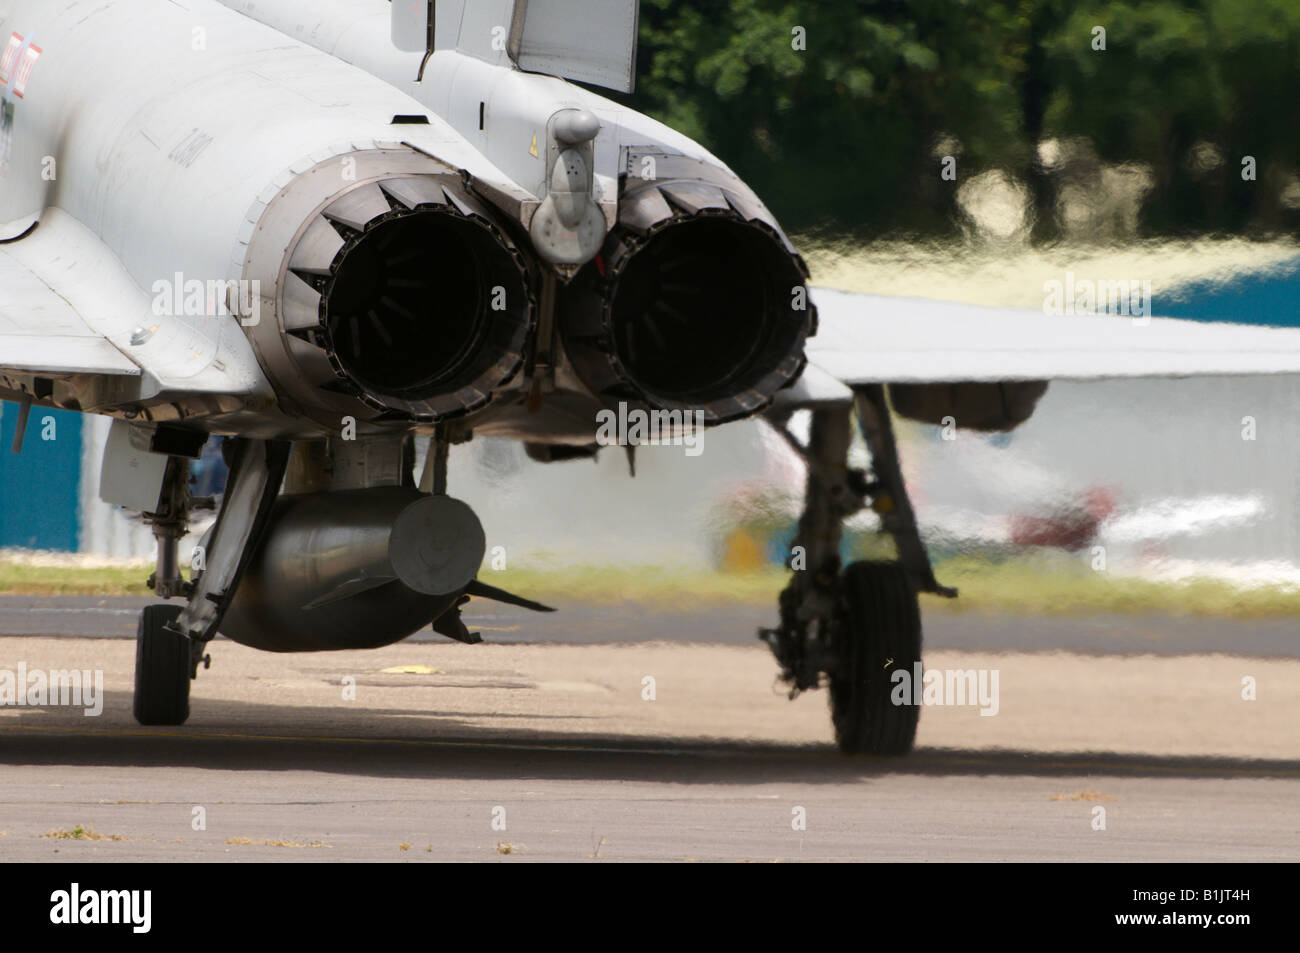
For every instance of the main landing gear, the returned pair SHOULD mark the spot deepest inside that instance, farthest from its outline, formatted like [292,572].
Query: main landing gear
[853,628]
[162,668]
[352,558]
[171,640]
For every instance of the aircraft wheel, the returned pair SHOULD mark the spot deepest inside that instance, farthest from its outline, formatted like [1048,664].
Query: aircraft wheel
[877,631]
[162,669]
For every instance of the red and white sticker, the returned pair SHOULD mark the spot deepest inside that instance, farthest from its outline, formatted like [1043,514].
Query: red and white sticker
[16,63]
[9,57]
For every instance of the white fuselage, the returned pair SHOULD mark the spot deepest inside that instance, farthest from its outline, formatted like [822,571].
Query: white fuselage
[155,135]
[467,71]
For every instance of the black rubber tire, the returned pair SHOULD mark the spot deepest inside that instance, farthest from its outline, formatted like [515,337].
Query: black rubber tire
[877,631]
[162,669]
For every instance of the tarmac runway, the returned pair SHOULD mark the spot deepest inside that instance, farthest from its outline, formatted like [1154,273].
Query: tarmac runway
[554,751]
[115,617]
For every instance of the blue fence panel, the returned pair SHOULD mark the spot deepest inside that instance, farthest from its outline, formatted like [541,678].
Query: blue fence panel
[39,487]
[1270,297]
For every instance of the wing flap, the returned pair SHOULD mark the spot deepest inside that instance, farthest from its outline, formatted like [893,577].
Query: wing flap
[65,345]
[69,306]
[55,356]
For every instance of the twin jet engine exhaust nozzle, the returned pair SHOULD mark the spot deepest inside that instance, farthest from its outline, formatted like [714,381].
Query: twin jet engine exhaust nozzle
[405,298]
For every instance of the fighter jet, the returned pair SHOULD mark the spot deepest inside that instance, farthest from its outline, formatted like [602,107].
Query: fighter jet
[325,231]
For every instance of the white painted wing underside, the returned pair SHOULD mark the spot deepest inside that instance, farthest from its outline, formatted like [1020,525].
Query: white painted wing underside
[40,332]
[869,339]
[67,306]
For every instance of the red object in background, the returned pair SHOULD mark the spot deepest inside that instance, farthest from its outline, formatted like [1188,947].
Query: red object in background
[1072,527]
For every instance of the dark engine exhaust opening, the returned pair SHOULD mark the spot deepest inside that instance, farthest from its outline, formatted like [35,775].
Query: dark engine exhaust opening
[425,304]
[701,306]
[706,313]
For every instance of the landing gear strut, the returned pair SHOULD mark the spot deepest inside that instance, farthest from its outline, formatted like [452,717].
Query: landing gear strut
[853,628]
[171,641]
[162,655]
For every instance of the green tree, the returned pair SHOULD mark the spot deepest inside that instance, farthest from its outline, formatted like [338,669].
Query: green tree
[844,132]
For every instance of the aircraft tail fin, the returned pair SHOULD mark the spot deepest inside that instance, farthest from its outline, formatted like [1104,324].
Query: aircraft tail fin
[591,41]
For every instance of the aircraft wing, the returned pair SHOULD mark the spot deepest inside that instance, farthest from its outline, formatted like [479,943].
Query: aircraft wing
[68,307]
[871,339]
[42,333]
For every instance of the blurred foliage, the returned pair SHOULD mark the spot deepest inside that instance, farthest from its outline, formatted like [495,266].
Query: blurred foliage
[849,133]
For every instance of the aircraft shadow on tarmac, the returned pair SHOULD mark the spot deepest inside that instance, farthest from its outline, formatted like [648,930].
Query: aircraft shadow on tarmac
[404,743]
